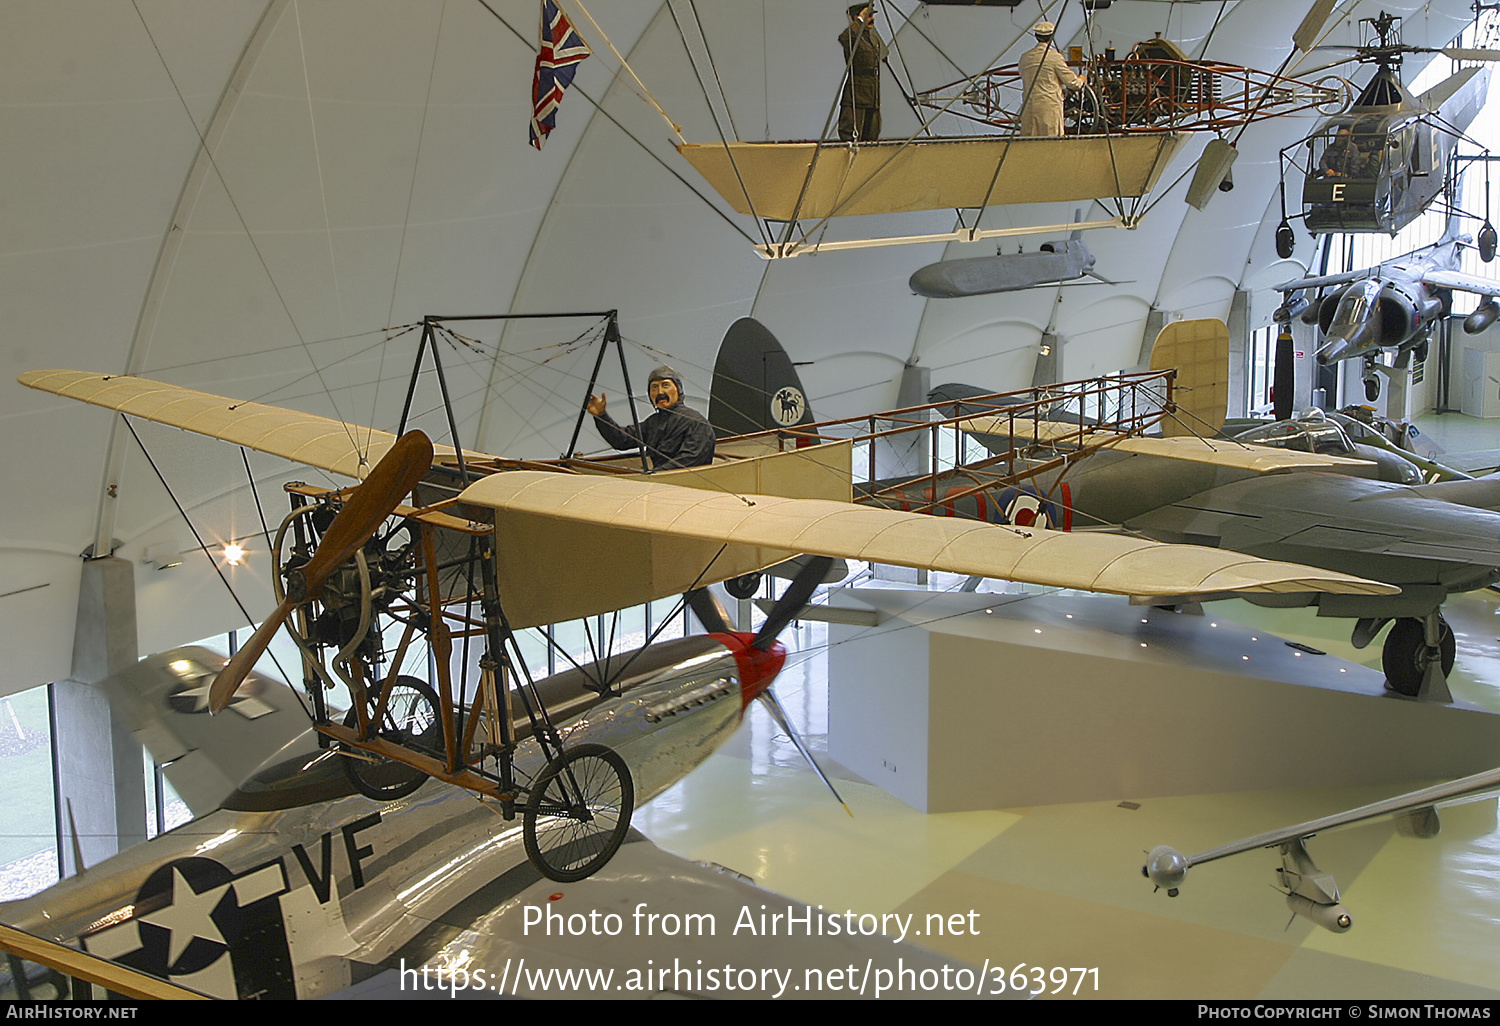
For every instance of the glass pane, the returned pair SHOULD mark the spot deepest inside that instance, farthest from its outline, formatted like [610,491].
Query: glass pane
[28,839]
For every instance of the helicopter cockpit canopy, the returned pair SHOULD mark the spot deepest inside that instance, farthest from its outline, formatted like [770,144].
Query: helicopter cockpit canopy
[1351,172]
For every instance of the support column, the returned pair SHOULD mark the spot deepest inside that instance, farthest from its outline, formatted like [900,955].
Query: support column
[1155,321]
[98,760]
[1239,348]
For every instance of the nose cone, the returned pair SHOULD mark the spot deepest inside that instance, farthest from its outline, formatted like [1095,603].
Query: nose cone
[757,669]
[1356,340]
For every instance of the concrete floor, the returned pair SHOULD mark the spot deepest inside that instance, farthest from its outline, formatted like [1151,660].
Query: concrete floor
[1060,886]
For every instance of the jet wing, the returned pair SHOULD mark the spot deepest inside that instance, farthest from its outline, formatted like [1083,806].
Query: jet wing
[1309,891]
[1464,282]
[1327,279]
[1480,785]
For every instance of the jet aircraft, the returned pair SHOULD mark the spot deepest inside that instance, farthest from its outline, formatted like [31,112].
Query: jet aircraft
[1393,305]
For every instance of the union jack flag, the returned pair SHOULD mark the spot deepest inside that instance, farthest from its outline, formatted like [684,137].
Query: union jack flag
[562,50]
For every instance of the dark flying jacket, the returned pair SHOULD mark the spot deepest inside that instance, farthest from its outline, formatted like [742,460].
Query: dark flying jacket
[678,436]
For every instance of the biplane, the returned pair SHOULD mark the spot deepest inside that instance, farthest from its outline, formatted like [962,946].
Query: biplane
[439,556]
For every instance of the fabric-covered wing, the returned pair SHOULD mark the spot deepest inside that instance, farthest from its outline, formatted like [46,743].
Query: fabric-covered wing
[1262,459]
[1093,562]
[320,442]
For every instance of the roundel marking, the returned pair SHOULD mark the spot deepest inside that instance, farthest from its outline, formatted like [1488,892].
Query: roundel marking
[788,405]
[1026,507]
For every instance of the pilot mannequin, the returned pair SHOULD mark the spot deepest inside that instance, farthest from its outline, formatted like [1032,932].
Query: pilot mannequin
[676,435]
[1045,78]
[859,107]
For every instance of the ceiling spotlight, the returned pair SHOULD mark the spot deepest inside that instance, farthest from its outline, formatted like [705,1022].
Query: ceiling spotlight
[234,553]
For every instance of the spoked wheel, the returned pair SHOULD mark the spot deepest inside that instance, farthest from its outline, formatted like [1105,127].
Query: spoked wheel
[578,812]
[411,720]
[1404,657]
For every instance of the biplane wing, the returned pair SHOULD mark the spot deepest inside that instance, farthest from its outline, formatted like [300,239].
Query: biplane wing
[604,543]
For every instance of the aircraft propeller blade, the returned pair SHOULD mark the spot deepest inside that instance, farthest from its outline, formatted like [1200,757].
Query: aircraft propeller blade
[393,478]
[709,611]
[792,600]
[779,715]
[784,612]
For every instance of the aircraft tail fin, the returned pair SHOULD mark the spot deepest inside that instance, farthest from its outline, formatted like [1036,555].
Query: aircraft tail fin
[756,386]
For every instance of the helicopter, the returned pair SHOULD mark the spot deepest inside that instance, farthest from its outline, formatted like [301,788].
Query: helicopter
[1380,164]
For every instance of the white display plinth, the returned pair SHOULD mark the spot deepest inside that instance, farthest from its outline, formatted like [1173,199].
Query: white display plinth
[1055,699]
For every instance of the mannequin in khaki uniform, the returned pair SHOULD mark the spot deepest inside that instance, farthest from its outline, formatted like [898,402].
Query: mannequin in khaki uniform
[1045,78]
[859,106]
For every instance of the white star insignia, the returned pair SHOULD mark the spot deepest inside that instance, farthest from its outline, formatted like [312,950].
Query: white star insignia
[189,915]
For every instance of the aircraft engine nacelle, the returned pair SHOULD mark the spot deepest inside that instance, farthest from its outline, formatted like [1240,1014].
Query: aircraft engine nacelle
[1400,312]
[1483,316]
[1334,918]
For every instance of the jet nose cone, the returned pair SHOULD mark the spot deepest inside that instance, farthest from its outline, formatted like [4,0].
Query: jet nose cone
[758,669]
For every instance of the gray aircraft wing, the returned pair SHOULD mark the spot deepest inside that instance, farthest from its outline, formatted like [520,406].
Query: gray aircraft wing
[1350,518]
[1472,788]
[1326,279]
[1309,891]
[1464,282]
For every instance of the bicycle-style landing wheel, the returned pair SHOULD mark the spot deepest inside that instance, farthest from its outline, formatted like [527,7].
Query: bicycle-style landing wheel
[412,721]
[578,813]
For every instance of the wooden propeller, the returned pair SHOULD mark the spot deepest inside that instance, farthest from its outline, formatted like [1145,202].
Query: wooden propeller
[393,478]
